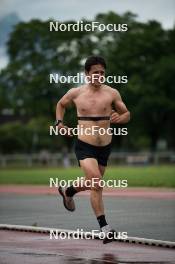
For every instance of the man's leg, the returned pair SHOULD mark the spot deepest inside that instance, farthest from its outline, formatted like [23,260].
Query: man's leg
[91,170]
[102,171]
[96,197]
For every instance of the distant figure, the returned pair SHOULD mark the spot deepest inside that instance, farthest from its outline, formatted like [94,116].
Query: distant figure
[66,160]
[44,157]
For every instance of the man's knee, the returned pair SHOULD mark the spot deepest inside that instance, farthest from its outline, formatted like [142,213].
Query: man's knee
[95,179]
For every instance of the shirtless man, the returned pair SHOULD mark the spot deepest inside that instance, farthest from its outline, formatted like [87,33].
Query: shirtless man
[93,102]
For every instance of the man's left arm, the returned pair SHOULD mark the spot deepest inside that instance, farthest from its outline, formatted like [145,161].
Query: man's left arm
[122,115]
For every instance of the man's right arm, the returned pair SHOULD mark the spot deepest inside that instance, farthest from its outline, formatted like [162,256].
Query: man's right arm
[66,100]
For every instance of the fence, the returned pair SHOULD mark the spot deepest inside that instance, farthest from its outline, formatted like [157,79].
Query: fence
[67,160]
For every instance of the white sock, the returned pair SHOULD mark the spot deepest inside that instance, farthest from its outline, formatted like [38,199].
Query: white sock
[106,228]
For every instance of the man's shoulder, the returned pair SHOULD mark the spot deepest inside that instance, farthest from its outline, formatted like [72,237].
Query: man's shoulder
[110,89]
[74,91]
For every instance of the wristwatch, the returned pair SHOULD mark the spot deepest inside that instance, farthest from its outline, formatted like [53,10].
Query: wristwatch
[57,122]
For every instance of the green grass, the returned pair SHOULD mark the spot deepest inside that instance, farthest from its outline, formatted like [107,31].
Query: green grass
[151,176]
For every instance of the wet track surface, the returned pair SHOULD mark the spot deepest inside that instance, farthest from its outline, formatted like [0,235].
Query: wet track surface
[149,216]
[140,217]
[32,248]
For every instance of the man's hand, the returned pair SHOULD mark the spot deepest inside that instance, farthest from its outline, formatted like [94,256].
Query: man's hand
[122,116]
[119,119]
[114,117]
[66,130]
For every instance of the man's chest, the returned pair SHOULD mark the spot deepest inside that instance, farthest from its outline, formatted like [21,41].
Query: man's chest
[88,104]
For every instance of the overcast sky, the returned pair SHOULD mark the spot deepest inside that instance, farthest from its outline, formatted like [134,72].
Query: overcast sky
[161,10]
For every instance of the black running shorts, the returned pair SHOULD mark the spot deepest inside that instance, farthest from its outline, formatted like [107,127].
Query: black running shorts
[85,150]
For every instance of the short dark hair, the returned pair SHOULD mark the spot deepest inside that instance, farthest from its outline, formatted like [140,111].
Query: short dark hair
[94,60]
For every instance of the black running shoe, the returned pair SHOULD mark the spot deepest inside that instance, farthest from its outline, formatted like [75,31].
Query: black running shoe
[110,236]
[67,201]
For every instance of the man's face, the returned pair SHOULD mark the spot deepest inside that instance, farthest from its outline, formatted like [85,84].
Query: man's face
[96,75]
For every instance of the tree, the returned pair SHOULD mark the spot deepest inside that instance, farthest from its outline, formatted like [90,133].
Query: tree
[145,53]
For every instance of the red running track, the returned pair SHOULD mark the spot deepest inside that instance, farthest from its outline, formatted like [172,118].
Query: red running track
[159,193]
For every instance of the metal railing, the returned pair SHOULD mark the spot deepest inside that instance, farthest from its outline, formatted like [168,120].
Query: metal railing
[67,160]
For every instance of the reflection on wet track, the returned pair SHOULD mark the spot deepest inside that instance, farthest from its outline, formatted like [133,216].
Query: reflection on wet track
[36,248]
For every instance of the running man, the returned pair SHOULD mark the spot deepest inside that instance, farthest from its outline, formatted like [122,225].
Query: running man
[93,102]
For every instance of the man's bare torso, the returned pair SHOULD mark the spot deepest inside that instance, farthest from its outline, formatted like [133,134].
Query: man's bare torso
[94,103]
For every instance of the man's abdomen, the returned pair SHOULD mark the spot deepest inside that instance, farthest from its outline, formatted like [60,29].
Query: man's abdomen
[95,133]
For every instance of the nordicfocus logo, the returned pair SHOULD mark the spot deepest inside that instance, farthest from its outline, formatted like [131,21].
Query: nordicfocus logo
[81,130]
[80,26]
[88,183]
[80,78]
[81,234]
